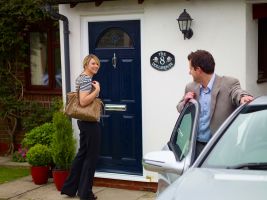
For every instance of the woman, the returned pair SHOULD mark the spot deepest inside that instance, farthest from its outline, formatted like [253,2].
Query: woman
[83,167]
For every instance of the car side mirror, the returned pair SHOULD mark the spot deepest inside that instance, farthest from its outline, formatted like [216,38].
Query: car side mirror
[163,162]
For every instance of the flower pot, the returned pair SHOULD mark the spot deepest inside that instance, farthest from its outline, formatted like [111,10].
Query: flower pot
[39,174]
[59,177]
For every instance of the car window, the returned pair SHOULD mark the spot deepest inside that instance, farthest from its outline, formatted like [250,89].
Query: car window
[181,137]
[244,141]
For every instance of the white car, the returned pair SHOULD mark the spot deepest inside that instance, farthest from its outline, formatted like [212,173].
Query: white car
[232,166]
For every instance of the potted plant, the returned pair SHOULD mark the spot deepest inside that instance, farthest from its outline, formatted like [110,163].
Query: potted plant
[39,157]
[39,135]
[63,148]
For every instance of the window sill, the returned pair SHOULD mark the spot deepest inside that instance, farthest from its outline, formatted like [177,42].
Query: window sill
[46,92]
[262,80]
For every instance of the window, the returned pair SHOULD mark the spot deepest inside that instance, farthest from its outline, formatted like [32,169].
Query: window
[260,13]
[44,71]
[262,45]
[181,137]
[114,38]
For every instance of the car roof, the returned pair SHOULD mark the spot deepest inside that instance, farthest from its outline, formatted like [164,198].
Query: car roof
[261,100]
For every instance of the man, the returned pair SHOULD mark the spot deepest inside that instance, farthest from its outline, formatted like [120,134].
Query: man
[218,96]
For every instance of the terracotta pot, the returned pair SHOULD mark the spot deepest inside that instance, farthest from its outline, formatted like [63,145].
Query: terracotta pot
[39,174]
[59,177]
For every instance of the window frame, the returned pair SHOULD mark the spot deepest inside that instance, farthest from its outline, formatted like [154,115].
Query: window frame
[262,50]
[51,28]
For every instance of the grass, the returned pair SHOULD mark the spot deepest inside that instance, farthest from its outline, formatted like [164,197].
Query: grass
[8,174]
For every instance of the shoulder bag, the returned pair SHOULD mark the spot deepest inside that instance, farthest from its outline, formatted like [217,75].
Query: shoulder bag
[91,112]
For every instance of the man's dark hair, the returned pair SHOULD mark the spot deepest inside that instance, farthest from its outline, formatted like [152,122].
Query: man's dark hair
[202,59]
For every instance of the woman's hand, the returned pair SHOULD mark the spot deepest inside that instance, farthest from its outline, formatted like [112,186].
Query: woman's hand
[96,85]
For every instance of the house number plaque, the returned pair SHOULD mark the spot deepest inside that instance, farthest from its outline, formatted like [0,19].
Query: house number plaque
[162,60]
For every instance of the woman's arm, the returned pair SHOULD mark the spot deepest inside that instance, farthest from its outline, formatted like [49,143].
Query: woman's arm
[87,98]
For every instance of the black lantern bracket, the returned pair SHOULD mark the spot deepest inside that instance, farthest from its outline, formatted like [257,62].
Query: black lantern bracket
[184,22]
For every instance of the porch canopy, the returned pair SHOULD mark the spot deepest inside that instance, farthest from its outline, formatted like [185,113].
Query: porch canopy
[73,3]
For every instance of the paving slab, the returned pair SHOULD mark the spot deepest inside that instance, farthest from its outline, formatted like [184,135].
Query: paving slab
[115,194]
[17,187]
[7,162]
[25,189]
[49,192]
[4,159]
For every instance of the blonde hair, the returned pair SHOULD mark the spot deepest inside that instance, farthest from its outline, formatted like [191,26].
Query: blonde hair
[87,59]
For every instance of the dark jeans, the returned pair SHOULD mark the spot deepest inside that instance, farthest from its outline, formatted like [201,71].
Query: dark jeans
[84,164]
[199,147]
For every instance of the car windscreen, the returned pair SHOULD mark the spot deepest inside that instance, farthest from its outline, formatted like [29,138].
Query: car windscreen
[244,143]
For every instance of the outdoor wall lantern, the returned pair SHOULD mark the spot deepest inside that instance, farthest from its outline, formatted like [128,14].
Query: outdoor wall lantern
[184,21]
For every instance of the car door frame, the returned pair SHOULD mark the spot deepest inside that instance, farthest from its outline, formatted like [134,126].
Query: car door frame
[167,161]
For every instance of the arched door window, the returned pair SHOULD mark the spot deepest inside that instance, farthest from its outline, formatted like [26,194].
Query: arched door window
[114,38]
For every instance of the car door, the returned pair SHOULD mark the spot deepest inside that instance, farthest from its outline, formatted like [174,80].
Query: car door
[183,139]
[179,153]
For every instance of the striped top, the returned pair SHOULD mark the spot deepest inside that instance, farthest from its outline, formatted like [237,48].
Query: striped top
[84,82]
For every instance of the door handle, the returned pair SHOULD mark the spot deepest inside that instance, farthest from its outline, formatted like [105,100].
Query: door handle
[115,107]
[114,61]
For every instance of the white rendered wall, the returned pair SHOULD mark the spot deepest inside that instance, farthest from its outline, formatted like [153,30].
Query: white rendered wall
[218,26]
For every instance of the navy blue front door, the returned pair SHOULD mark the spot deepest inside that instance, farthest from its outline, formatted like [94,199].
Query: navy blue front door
[117,44]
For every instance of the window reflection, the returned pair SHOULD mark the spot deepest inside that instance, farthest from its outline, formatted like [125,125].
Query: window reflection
[244,141]
[184,132]
[38,58]
[58,68]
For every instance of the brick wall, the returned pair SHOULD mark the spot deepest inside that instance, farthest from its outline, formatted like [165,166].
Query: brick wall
[5,138]
[44,100]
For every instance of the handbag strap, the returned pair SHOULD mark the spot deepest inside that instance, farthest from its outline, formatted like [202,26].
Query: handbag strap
[78,89]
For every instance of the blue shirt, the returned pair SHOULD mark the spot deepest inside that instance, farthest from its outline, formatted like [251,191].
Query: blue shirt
[204,133]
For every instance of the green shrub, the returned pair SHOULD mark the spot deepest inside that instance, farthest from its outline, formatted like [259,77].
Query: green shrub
[39,135]
[63,143]
[39,155]
[36,114]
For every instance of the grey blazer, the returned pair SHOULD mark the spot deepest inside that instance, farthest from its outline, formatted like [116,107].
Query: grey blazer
[225,98]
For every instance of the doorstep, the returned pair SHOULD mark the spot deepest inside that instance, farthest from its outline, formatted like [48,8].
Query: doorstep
[126,184]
